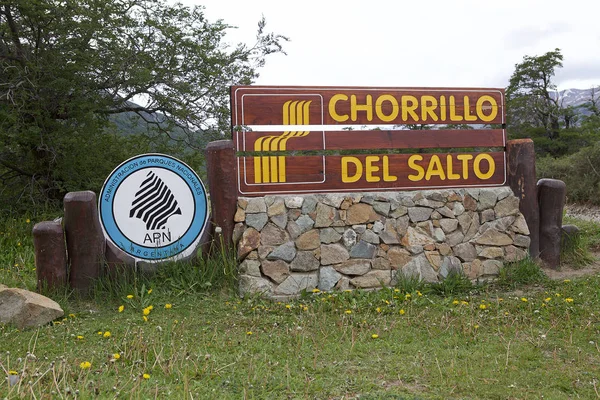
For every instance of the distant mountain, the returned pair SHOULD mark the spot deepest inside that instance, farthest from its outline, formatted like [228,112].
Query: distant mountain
[576,98]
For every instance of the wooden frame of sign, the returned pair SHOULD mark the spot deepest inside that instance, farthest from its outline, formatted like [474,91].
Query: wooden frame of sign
[290,139]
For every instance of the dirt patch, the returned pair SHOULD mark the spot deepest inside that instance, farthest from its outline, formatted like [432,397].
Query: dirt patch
[568,272]
[583,211]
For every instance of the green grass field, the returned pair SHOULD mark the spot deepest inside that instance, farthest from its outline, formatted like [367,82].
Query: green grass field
[180,338]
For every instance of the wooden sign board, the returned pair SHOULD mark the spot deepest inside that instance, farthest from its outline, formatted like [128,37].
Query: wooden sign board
[267,167]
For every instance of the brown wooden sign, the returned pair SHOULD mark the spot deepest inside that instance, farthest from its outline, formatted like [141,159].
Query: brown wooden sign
[264,105]
[305,115]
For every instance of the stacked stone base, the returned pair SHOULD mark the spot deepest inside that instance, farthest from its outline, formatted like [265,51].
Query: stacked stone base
[341,241]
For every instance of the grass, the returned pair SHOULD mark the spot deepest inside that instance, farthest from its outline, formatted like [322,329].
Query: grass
[202,341]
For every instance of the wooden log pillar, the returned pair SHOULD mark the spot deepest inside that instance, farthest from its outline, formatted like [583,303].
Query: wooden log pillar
[552,194]
[222,187]
[50,255]
[522,180]
[85,240]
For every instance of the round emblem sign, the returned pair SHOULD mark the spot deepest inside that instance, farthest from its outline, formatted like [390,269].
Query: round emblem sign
[154,208]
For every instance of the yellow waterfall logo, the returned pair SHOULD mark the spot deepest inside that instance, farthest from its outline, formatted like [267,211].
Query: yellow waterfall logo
[271,169]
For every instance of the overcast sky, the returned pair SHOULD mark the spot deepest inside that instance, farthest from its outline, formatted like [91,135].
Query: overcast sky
[429,43]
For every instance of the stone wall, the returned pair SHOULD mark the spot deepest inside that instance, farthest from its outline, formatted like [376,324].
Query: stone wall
[342,241]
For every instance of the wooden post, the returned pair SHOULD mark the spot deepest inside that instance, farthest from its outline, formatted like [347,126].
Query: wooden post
[85,241]
[552,194]
[222,186]
[522,180]
[50,255]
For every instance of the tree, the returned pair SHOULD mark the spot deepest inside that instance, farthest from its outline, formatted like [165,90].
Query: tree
[530,98]
[66,66]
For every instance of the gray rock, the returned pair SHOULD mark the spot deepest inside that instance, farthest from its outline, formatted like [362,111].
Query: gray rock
[381,263]
[454,238]
[373,279]
[294,229]
[370,237]
[402,224]
[490,252]
[398,257]
[491,267]
[465,251]
[349,237]
[419,267]
[377,227]
[272,235]
[450,265]
[250,267]
[520,225]
[332,199]
[360,228]
[26,309]
[257,221]
[522,241]
[493,237]
[418,214]
[252,285]
[360,213]
[329,235]
[448,225]
[285,252]
[296,283]
[507,206]
[439,235]
[399,211]
[513,253]
[333,254]
[488,215]
[487,199]
[381,207]
[280,220]
[256,205]
[458,209]
[276,208]
[328,278]
[354,267]
[325,215]
[446,212]
[363,250]
[293,201]
[309,205]
[305,261]
[305,223]
[278,270]
[414,238]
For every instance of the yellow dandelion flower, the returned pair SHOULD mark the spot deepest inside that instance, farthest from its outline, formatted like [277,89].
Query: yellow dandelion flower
[396,290]
[455,302]
[557,294]
[145,318]
[249,333]
[476,326]
[374,336]
[348,311]
[569,300]
[146,376]
[315,290]
[547,299]
[151,308]
[407,296]
[146,311]
[419,293]
[524,299]
[27,221]
[116,356]
[464,303]
[402,312]
[130,296]
[106,334]
[121,308]
[79,337]
[11,372]
[378,309]
[149,291]
[567,281]
[85,365]
[288,306]
[168,305]
[18,244]
[482,306]
[100,333]
[71,315]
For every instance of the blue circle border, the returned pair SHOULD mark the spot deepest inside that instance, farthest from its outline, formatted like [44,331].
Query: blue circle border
[122,172]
